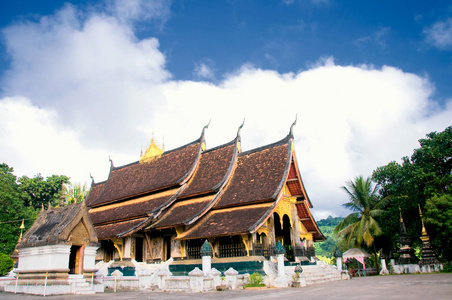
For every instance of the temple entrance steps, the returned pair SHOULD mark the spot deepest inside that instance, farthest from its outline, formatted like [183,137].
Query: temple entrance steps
[321,272]
[80,286]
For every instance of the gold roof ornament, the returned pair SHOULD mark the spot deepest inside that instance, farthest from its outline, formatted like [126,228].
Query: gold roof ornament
[153,151]
[22,227]
[424,232]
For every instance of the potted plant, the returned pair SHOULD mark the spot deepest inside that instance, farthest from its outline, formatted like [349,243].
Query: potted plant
[296,280]
[296,276]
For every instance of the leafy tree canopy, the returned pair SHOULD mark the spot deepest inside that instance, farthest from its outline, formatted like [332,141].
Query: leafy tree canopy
[423,178]
[38,192]
[21,199]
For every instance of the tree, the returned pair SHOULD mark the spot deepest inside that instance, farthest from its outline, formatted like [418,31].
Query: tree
[6,264]
[361,226]
[438,220]
[424,175]
[21,199]
[11,208]
[38,192]
[76,193]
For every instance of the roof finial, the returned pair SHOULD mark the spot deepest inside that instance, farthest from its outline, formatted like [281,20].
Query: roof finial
[42,206]
[291,127]
[204,129]
[111,162]
[240,127]
[424,232]
[22,227]
[92,178]
[49,207]
[207,126]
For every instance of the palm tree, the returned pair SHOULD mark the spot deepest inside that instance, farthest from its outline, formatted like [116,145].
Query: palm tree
[75,193]
[361,225]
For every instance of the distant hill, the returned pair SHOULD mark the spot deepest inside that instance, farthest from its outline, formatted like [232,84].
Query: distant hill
[327,226]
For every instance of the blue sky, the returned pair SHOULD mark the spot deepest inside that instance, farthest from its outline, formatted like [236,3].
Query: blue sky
[82,80]
[285,36]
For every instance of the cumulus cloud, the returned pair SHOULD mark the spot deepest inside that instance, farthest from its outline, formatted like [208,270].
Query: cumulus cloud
[440,34]
[35,141]
[83,86]
[89,68]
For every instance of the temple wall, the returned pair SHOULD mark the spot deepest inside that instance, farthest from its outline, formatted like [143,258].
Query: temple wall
[89,258]
[79,235]
[175,247]
[46,258]
[157,248]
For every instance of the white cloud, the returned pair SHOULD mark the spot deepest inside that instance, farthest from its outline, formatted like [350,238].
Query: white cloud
[377,38]
[34,141]
[81,87]
[204,70]
[92,70]
[139,10]
[440,34]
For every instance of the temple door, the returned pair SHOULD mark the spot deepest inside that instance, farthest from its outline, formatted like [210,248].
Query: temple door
[75,260]
[167,247]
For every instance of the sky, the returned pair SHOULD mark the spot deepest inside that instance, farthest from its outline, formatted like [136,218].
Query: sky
[88,80]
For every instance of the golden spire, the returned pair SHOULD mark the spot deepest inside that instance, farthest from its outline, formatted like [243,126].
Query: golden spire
[424,232]
[153,151]
[400,212]
[22,227]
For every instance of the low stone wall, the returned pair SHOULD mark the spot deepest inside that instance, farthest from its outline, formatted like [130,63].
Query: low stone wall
[121,283]
[39,288]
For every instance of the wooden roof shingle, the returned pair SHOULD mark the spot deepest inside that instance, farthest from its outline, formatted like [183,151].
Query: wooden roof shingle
[259,175]
[171,169]
[226,222]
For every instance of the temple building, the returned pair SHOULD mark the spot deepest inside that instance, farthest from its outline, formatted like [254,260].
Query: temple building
[169,202]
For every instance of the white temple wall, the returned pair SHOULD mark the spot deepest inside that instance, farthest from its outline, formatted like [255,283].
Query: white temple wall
[89,258]
[44,258]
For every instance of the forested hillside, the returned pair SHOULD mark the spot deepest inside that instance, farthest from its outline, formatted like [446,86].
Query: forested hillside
[327,227]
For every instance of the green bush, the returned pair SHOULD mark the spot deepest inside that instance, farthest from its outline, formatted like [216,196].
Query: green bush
[447,267]
[6,264]
[256,280]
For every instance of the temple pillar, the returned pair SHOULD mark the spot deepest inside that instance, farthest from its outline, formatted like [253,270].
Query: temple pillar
[271,232]
[127,248]
[338,255]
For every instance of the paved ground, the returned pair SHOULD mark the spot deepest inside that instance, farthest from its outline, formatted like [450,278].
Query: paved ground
[431,286]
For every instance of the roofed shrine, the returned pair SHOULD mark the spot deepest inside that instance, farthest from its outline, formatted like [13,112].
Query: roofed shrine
[169,202]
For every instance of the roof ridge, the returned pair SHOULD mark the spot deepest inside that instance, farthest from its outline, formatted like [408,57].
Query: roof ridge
[232,142]
[275,144]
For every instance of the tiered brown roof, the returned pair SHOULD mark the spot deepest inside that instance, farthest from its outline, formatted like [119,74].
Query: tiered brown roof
[183,211]
[171,169]
[215,192]
[250,196]
[232,221]
[304,214]
[120,229]
[259,176]
[215,167]
[131,209]
[212,170]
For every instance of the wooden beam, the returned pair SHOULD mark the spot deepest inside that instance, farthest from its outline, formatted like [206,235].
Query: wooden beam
[305,219]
